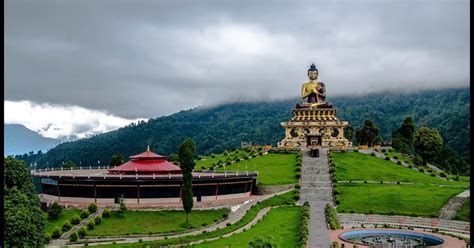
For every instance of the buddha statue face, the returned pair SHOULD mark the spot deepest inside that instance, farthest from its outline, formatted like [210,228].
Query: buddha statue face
[313,75]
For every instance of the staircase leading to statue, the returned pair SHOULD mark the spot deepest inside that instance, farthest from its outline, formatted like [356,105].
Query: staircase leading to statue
[316,188]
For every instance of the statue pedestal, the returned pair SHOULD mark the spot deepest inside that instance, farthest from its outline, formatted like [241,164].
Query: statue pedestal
[314,128]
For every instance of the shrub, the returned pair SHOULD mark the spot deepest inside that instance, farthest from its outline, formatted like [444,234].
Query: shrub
[98,220]
[106,213]
[335,244]
[421,170]
[442,174]
[335,191]
[418,160]
[297,186]
[140,240]
[399,162]
[54,211]
[371,211]
[47,238]
[391,212]
[372,154]
[410,166]
[228,163]
[66,226]
[429,170]
[225,215]
[74,236]
[56,233]
[90,225]
[228,224]
[75,220]
[381,182]
[298,175]
[433,174]
[92,208]
[398,182]
[82,232]
[84,213]
[395,157]
[387,158]
[296,197]
[365,181]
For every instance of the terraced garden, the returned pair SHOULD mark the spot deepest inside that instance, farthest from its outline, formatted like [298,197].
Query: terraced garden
[65,216]
[367,184]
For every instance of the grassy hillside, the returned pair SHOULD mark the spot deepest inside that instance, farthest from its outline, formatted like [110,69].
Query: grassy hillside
[216,129]
[367,184]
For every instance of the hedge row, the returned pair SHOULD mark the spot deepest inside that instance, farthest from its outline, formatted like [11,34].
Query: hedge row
[304,227]
[331,217]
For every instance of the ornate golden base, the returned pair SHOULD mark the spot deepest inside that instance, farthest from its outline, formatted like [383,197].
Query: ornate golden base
[314,128]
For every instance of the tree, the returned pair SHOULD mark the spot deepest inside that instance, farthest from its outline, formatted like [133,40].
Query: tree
[54,211]
[186,161]
[368,133]
[116,160]
[349,133]
[267,242]
[427,143]
[24,220]
[69,164]
[402,138]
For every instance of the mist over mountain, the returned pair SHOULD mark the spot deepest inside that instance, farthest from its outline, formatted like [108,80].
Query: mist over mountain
[19,140]
[225,126]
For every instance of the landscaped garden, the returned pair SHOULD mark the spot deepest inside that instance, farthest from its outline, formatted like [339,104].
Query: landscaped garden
[151,222]
[280,227]
[367,184]
[284,199]
[65,216]
[273,169]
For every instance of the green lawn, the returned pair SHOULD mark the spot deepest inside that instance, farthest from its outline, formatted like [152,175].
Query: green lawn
[362,167]
[464,212]
[207,161]
[414,200]
[273,169]
[283,199]
[66,215]
[146,222]
[281,225]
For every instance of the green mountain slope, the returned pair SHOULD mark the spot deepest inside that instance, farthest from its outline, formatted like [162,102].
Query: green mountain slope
[215,129]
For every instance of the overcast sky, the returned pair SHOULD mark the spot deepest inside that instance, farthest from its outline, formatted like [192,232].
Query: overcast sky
[112,62]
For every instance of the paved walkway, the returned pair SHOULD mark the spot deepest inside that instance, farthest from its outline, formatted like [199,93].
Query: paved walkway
[238,212]
[316,188]
[355,220]
[449,210]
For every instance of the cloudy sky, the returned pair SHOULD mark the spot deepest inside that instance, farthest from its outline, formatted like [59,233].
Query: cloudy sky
[79,67]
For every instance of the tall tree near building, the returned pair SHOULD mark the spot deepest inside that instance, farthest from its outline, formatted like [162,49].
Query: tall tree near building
[116,160]
[402,138]
[186,161]
[427,143]
[24,221]
[368,133]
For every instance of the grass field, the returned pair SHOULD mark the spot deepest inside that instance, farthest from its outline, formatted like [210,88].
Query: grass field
[414,200]
[207,161]
[361,167]
[418,194]
[280,224]
[147,222]
[273,169]
[284,199]
[464,213]
[66,215]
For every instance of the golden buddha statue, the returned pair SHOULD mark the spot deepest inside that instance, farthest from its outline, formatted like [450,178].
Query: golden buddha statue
[313,90]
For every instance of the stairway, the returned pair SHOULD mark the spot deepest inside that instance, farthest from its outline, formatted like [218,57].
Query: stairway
[316,188]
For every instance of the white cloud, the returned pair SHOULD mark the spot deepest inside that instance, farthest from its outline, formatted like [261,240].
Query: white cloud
[62,122]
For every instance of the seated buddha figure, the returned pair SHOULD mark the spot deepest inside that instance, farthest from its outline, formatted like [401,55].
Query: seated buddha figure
[314,91]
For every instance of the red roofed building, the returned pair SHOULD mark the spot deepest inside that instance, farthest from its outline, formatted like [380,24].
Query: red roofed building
[146,163]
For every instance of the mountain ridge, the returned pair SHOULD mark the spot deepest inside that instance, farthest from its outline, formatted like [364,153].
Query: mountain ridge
[221,127]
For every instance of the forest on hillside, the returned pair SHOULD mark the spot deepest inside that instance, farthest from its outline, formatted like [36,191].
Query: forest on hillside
[215,129]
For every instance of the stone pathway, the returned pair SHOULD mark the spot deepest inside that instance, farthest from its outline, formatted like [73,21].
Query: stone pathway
[355,220]
[233,217]
[454,204]
[316,189]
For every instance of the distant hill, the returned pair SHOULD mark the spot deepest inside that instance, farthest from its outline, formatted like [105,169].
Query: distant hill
[217,128]
[19,140]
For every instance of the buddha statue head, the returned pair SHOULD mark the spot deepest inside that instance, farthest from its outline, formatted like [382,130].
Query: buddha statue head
[313,72]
